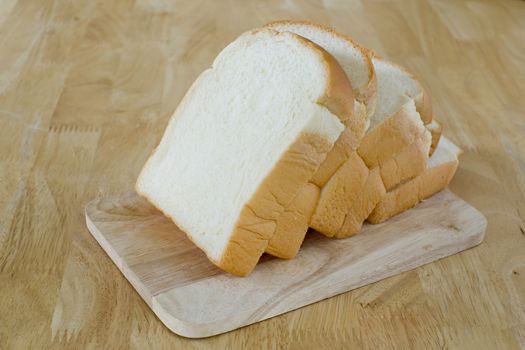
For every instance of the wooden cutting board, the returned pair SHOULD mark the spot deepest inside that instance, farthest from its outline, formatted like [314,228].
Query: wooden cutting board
[195,299]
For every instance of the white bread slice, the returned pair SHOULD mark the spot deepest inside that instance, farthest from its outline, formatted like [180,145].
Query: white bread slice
[250,132]
[354,60]
[441,168]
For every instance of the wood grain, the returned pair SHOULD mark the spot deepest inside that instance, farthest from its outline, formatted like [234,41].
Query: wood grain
[87,87]
[195,299]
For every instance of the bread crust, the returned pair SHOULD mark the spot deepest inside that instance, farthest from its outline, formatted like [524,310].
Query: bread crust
[292,225]
[365,202]
[337,195]
[399,146]
[257,222]
[410,193]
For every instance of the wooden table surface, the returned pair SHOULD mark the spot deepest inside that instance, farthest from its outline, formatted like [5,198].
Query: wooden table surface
[86,88]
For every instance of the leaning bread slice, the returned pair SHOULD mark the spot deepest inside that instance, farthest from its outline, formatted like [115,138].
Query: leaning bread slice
[441,168]
[398,141]
[356,63]
[248,135]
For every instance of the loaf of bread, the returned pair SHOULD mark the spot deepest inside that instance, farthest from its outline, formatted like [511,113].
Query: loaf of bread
[294,126]
[248,135]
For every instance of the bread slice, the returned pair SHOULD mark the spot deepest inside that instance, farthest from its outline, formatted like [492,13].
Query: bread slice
[441,168]
[248,135]
[338,195]
[356,63]
[397,144]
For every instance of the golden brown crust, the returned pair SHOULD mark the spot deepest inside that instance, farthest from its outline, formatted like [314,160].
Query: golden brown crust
[344,146]
[366,200]
[292,225]
[423,104]
[257,220]
[408,163]
[410,193]
[338,194]
[399,146]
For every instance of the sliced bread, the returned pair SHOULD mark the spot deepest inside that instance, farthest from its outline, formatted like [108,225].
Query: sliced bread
[396,142]
[248,135]
[358,67]
[441,168]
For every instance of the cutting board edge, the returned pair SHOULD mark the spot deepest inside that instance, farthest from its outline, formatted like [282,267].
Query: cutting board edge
[191,330]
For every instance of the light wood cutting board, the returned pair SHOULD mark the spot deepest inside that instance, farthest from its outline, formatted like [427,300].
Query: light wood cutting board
[195,299]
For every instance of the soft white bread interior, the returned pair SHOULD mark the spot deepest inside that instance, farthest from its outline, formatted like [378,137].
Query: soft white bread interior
[359,69]
[395,85]
[441,168]
[248,135]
